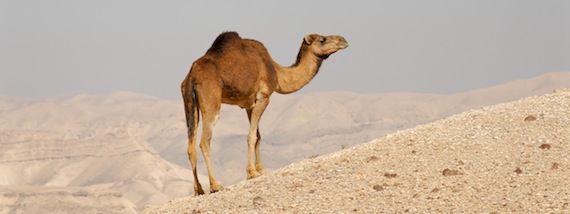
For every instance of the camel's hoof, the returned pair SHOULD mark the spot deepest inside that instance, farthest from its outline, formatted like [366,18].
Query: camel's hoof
[216,188]
[198,192]
[253,174]
[259,169]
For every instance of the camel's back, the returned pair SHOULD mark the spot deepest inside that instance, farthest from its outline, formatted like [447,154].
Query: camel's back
[236,55]
[242,65]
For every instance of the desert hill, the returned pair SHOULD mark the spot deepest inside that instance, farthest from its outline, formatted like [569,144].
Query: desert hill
[510,157]
[28,199]
[133,146]
[65,142]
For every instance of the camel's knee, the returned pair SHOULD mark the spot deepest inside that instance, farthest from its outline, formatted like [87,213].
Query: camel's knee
[216,118]
[205,147]
[206,139]
[257,145]
[252,139]
[192,154]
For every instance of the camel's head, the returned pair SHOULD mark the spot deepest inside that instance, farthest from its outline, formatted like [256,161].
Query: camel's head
[324,46]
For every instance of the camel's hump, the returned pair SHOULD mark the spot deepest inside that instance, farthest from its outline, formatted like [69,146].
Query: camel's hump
[223,40]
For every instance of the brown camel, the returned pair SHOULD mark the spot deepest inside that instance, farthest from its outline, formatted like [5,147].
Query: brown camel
[240,72]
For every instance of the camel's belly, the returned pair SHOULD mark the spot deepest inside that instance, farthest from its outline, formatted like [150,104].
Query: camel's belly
[242,103]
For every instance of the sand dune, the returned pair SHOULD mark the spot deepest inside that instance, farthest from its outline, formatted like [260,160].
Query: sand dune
[135,144]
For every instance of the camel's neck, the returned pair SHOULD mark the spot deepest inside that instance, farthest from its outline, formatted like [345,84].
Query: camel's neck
[293,78]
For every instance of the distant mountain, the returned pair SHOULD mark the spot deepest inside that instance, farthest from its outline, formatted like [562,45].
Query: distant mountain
[135,144]
[87,141]
[40,199]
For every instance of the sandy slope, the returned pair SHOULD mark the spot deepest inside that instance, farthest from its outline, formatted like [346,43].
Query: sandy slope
[511,157]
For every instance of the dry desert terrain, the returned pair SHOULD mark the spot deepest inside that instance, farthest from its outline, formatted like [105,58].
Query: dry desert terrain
[510,157]
[122,152]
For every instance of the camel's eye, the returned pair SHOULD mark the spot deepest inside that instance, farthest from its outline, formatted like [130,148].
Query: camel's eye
[322,39]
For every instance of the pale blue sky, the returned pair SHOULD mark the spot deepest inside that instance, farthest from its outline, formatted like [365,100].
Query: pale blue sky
[443,46]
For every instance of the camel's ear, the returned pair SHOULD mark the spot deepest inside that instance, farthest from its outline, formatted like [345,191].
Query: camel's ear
[310,38]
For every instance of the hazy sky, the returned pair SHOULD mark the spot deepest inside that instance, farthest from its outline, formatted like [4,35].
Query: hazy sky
[77,46]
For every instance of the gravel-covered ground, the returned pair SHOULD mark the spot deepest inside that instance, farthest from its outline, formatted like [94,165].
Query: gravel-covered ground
[511,157]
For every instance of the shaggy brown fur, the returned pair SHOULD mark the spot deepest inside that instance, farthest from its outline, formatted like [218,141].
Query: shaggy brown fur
[240,72]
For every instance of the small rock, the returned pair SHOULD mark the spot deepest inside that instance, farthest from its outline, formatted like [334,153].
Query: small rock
[434,190]
[544,146]
[451,172]
[372,159]
[554,166]
[390,175]
[257,201]
[518,170]
[529,118]
[378,187]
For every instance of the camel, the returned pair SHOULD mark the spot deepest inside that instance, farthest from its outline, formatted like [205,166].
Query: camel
[240,72]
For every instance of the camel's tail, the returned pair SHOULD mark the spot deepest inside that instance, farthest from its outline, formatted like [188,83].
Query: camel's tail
[190,107]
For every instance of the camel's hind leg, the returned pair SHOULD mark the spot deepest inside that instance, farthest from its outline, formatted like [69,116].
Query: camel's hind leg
[192,119]
[210,108]
[193,155]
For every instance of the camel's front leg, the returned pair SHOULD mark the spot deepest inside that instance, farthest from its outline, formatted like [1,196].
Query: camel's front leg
[258,165]
[253,137]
